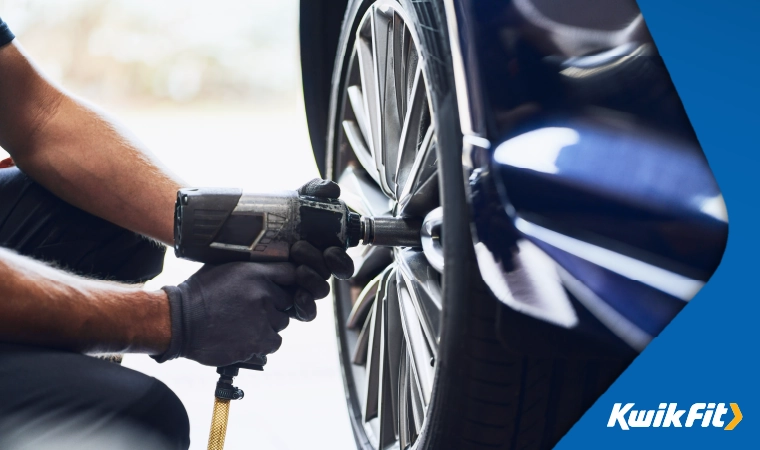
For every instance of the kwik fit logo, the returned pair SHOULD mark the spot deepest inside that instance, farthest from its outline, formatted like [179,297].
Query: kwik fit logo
[668,415]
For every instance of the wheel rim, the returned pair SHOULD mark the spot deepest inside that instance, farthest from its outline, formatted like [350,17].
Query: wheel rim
[386,164]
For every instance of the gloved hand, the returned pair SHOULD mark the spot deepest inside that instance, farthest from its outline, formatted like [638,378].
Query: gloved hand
[228,313]
[316,266]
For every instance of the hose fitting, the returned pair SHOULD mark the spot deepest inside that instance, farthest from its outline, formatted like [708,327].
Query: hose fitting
[223,393]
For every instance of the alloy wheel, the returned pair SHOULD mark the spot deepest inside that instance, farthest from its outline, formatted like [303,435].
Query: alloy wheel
[385,160]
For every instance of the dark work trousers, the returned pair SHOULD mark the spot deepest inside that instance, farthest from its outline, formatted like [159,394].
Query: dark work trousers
[57,399]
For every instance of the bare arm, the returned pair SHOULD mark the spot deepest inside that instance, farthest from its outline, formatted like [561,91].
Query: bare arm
[45,306]
[79,154]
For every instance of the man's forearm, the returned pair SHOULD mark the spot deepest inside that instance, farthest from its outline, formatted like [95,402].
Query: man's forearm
[44,306]
[80,155]
[83,158]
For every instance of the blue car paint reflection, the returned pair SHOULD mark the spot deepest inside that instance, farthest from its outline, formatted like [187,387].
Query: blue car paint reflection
[578,146]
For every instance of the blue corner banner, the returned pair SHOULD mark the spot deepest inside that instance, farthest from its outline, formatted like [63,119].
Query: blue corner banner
[708,357]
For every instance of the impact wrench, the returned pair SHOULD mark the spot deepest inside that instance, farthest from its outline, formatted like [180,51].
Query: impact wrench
[216,225]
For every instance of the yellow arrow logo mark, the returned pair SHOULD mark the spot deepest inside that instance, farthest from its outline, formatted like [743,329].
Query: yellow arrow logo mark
[737,417]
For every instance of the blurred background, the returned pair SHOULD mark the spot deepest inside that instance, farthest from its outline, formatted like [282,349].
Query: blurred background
[214,90]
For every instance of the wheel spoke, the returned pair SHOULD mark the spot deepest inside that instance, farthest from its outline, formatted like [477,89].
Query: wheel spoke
[404,412]
[420,192]
[369,260]
[417,344]
[410,131]
[388,350]
[359,312]
[361,194]
[389,126]
[380,28]
[395,339]
[373,364]
[416,400]
[356,99]
[362,345]
[411,60]
[399,34]
[375,353]
[393,101]
[370,88]
[357,145]
[421,165]
[422,282]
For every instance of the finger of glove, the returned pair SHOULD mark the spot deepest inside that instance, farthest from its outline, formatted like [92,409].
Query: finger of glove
[277,319]
[282,273]
[271,343]
[280,298]
[339,263]
[320,188]
[305,306]
[291,312]
[310,280]
[254,359]
[302,252]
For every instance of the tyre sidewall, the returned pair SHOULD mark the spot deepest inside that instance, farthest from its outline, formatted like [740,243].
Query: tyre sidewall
[443,421]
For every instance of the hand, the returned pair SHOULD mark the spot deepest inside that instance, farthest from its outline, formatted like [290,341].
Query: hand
[228,313]
[315,267]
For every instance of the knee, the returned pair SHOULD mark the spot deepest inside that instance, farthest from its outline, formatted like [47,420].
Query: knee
[142,259]
[36,223]
[70,396]
[162,413]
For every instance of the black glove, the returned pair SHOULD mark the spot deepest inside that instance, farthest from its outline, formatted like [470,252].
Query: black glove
[316,266]
[228,313]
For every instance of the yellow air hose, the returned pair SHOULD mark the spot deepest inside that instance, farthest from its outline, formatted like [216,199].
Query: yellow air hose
[218,424]
[223,393]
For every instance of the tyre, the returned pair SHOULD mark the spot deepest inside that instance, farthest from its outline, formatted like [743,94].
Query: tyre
[420,352]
